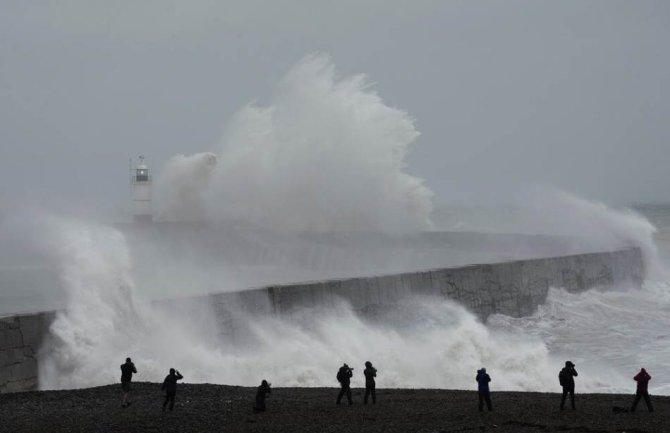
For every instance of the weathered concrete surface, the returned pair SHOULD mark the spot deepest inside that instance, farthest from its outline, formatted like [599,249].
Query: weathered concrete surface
[513,288]
[20,339]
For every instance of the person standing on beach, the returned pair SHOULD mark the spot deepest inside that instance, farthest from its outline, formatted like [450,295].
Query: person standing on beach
[567,379]
[263,390]
[370,373]
[127,370]
[344,375]
[170,387]
[483,380]
[642,379]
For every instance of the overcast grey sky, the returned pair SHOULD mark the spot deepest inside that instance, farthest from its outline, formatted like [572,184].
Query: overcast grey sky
[573,94]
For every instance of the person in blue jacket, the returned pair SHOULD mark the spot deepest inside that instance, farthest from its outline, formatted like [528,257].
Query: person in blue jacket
[483,380]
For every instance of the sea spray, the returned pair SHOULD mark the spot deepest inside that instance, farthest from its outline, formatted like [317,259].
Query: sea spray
[181,186]
[101,313]
[103,323]
[423,342]
[557,212]
[578,224]
[326,154]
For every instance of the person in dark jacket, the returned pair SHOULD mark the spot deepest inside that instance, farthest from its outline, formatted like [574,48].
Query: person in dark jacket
[170,387]
[127,370]
[370,373]
[483,380]
[263,390]
[344,377]
[567,379]
[642,379]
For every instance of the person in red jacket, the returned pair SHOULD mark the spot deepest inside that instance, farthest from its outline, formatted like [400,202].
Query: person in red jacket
[642,379]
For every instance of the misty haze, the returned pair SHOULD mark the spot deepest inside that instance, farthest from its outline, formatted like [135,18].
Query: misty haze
[275,189]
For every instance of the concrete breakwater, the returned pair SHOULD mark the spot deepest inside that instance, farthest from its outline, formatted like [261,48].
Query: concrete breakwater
[513,288]
[20,340]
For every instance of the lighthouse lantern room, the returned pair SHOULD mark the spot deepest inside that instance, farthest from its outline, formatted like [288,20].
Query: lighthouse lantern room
[140,180]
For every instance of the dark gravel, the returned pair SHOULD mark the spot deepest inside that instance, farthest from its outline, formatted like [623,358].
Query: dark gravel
[218,408]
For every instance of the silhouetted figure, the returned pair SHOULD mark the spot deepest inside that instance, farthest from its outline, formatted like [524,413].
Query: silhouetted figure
[567,379]
[263,391]
[370,373]
[483,380]
[344,377]
[642,379]
[127,371]
[170,387]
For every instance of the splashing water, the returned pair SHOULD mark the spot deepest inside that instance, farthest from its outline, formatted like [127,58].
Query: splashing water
[325,155]
[95,270]
[103,324]
[559,213]
[181,187]
[425,342]
[610,334]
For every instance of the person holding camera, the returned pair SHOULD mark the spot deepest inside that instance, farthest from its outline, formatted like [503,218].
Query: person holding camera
[263,390]
[642,379]
[483,380]
[567,380]
[344,375]
[370,373]
[170,387]
[127,370]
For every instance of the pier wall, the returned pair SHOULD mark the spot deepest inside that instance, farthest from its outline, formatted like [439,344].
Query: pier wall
[20,340]
[513,288]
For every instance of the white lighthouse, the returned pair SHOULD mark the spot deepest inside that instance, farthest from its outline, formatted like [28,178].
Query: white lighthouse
[141,182]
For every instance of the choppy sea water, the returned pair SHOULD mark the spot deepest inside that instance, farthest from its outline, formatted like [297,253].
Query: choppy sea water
[610,333]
